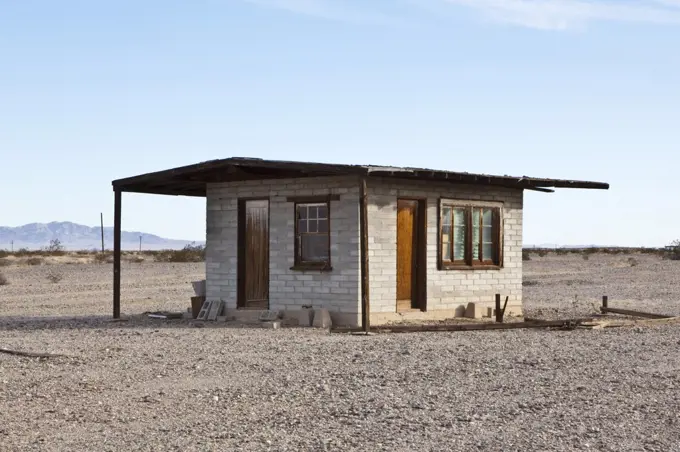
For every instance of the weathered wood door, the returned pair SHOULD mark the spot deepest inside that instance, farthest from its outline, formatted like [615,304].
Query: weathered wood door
[408,254]
[253,259]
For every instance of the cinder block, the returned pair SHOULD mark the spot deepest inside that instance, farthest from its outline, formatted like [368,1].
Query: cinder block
[305,316]
[474,311]
[322,318]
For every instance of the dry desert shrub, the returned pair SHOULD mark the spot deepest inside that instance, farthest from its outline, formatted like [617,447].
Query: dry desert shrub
[633,262]
[103,258]
[526,256]
[35,261]
[54,277]
[3,280]
[5,262]
[190,253]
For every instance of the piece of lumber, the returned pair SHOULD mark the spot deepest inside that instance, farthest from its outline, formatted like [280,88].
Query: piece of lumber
[30,354]
[567,323]
[215,308]
[632,322]
[632,313]
[203,313]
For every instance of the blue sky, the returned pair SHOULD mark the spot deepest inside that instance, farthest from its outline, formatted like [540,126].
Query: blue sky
[94,91]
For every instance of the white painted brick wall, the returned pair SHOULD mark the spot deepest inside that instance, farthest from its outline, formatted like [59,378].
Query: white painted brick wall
[446,289]
[338,290]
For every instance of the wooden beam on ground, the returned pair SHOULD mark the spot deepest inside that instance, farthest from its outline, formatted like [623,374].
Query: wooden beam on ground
[116,253]
[567,324]
[29,354]
[632,313]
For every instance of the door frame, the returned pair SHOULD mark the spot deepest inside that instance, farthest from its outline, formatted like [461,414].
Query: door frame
[420,279]
[241,250]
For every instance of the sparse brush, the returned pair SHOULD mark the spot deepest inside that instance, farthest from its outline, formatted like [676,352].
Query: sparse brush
[633,262]
[526,256]
[55,248]
[103,258]
[673,251]
[5,262]
[3,280]
[35,261]
[190,253]
[585,256]
[54,277]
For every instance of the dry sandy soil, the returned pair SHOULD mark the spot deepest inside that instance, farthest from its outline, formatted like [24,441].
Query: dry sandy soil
[171,385]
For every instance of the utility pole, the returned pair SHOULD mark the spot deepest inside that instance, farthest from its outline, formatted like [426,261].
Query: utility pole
[140,243]
[102,223]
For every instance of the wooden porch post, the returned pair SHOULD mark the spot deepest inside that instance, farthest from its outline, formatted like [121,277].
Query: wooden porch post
[116,253]
[363,231]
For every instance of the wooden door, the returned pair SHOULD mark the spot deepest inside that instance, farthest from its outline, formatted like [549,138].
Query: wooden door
[253,265]
[408,251]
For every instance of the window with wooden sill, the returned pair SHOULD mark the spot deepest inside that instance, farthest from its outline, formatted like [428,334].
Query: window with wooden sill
[470,236]
[312,237]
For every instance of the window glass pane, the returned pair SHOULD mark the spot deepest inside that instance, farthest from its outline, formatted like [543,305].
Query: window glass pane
[302,226]
[446,251]
[322,211]
[322,225]
[475,233]
[446,233]
[314,247]
[459,216]
[312,225]
[487,234]
[302,211]
[489,252]
[459,234]
[312,212]
[488,217]
[446,216]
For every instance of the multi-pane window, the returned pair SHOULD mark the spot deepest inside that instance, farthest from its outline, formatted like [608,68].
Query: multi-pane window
[311,234]
[469,235]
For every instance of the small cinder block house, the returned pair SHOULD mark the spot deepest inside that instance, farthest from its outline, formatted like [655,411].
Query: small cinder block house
[369,243]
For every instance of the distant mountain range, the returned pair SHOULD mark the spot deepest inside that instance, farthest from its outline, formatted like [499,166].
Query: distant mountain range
[79,237]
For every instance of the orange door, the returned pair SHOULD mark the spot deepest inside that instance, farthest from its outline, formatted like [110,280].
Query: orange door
[407,247]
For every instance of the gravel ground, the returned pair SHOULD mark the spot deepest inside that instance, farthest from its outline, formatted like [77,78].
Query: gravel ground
[569,286]
[85,289]
[170,385]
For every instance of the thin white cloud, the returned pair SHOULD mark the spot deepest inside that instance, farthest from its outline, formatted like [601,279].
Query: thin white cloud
[565,14]
[540,14]
[335,10]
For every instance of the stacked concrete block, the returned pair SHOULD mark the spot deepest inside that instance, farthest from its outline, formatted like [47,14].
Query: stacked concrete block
[337,290]
[447,290]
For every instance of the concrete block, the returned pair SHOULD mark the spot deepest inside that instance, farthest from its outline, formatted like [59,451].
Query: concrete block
[473,311]
[322,318]
[305,316]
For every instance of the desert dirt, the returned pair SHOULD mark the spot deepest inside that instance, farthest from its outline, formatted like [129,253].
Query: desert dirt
[177,385]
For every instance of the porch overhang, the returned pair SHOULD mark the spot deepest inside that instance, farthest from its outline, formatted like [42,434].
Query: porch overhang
[192,180]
